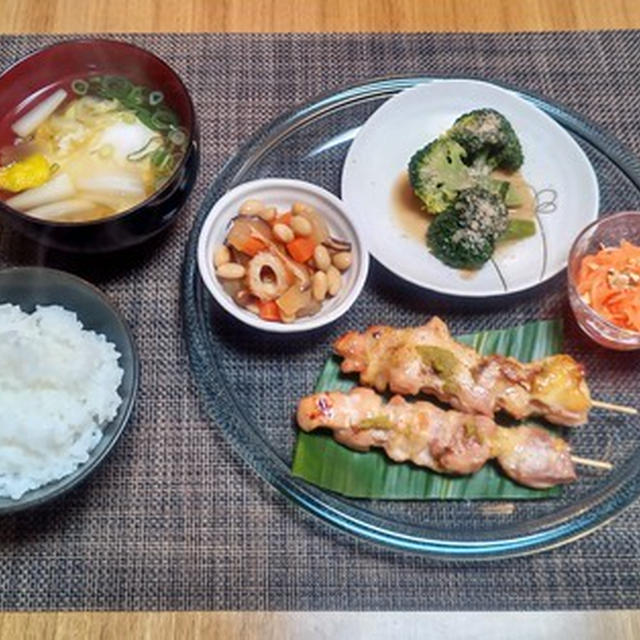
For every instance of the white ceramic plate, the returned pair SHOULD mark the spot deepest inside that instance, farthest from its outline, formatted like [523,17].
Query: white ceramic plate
[556,168]
[282,193]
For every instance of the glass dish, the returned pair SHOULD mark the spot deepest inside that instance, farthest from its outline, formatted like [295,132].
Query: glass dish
[250,385]
[607,231]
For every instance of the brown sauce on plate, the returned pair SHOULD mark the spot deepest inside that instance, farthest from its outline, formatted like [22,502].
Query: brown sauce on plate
[407,209]
[414,220]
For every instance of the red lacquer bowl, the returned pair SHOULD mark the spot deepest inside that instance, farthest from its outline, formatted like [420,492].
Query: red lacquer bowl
[26,82]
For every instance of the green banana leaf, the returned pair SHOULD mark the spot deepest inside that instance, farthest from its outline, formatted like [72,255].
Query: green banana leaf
[320,460]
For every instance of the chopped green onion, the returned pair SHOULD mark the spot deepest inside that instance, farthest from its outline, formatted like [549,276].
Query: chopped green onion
[147,149]
[167,164]
[177,137]
[155,98]
[79,87]
[94,81]
[162,160]
[144,115]
[158,157]
[116,87]
[159,182]
[138,102]
[136,97]
[163,119]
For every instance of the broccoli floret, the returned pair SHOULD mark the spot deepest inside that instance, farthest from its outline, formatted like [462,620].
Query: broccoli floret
[480,174]
[480,210]
[487,136]
[437,173]
[464,236]
[511,157]
[456,245]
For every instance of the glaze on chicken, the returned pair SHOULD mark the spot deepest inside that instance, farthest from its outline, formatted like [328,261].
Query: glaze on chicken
[427,359]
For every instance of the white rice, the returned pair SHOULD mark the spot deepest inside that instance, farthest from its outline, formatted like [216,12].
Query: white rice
[58,388]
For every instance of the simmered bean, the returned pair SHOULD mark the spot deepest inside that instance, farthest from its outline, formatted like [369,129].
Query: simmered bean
[301,226]
[283,232]
[319,284]
[334,280]
[285,256]
[231,271]
[222,256]
[322,257]
[300,207]
[251,207]
[342,261]
[269,214]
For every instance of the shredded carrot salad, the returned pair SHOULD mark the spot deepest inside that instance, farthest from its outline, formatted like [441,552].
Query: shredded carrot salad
[609,282]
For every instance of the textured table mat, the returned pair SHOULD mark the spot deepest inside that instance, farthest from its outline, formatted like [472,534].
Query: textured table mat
[174,519]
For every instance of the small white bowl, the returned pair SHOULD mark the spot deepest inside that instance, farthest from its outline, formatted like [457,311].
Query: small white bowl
[282,193]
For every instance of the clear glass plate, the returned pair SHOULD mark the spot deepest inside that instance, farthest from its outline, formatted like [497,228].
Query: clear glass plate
[250,382]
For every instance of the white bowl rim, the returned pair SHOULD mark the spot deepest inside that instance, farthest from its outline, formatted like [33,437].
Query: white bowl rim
[252,187]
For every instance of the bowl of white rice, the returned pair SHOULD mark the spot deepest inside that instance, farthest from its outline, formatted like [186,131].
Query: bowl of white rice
[69,374]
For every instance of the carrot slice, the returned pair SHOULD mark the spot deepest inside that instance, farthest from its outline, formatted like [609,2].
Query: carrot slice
[285,218]
[301,249]
[252,245]
[268,310]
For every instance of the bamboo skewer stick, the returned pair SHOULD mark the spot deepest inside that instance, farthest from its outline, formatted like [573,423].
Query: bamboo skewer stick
[614,407]
[596,464]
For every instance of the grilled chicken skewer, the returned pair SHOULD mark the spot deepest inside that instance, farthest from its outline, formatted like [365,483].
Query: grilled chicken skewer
[444,441]
[428,359]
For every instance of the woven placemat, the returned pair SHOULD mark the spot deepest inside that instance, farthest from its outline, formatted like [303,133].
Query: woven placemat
[174,519]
